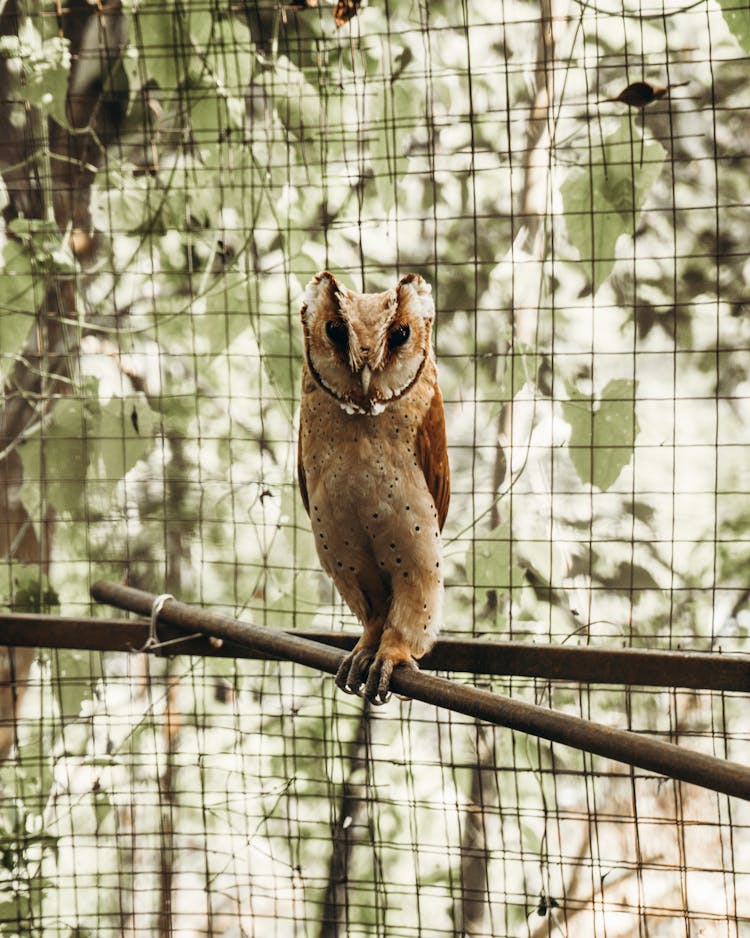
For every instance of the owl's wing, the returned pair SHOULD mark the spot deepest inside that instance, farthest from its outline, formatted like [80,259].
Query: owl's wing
[301,476]
[432,451]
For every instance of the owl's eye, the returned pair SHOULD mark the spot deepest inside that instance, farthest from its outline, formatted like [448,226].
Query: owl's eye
[398,337]
[338,333]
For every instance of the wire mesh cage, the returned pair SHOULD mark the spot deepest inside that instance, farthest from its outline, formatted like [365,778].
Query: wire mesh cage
[570,178]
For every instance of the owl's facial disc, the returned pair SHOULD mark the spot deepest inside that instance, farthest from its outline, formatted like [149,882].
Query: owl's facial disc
[366,350]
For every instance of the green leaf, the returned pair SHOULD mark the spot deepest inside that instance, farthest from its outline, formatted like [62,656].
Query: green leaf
[488,559]
[737,17]
[46,249]
[124,434]
[605,200]
[14,909]
[223,315]
[133,200]
[522,364]
[396,113]
[280,339]
[74,675]
[602,432]
[19,295]
[55,461]
[31,591]
[231,52]
[103,807]
[295,100]
[278,334]
[166,27]
[628,579]
[84,446]
[155,60]
[44,65]
[17,292]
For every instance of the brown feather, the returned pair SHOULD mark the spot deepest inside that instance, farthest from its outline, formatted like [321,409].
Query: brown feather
[432,451]
[302,478]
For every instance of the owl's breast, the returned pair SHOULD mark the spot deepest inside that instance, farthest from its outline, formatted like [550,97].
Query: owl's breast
[369,503]
[358,456]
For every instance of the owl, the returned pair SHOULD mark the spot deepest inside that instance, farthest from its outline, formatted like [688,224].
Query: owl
[373,468]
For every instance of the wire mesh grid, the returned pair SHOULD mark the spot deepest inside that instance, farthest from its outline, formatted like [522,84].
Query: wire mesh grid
[571,179]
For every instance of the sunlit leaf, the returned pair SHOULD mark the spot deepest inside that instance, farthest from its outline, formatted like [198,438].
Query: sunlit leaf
[31,591]
[20,293]
[394,118]
[737,17]
[74,676]
[225,313]
[602,432]
[122,435]
[605,200]
[84,445]
[522,365]
[280,341]
[44,65]
[488,559]
[162,29]
[630,578]
[294,99]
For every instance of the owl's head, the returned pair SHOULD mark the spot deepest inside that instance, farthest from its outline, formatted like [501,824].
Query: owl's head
[367,350]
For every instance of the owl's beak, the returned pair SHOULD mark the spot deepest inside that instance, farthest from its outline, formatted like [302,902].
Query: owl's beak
[365,376]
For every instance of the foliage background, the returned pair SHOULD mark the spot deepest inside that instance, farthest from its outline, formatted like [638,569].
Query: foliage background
[173,175]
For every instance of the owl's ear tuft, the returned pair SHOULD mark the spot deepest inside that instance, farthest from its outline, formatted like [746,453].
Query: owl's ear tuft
[414,290]
[321,295]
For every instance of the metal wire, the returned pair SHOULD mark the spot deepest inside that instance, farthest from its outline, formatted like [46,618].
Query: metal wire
[729,778]
[571,178]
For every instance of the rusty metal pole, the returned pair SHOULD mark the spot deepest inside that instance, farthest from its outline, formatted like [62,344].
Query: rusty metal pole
[730,778]
[586,664]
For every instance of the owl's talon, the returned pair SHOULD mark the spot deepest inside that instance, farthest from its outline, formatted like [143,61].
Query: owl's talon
[378,680]
[368,674]
[351,673]
[379,701]
[342,674]
[376,690]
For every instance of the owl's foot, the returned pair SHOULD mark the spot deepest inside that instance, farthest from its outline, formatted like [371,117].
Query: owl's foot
[379,677]
[352,671]
[367,670]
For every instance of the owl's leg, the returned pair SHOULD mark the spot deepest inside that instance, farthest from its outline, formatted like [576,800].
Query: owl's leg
[353,669]
[410,631]
[393,650]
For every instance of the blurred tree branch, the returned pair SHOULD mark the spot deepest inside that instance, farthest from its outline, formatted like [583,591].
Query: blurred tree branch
[42,375]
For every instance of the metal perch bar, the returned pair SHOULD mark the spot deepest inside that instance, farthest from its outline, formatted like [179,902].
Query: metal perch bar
[700,671]
[719,775]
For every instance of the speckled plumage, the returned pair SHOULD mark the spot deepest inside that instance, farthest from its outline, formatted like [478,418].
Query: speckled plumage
[373,467]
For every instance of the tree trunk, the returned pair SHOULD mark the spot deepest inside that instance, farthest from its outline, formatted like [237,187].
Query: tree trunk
[346,834]
[43,374]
